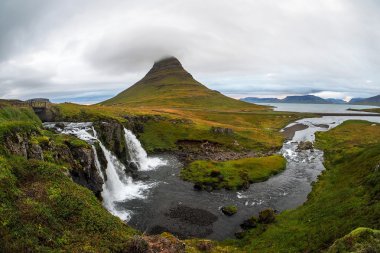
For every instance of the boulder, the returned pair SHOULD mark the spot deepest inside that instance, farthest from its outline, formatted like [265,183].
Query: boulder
[249,223]
[229,210]
[267,216]
[305,145]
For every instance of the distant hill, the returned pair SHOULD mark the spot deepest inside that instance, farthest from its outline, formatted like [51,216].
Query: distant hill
[168,84]
[335,101]
[306,99]
[261,100]
[366,101]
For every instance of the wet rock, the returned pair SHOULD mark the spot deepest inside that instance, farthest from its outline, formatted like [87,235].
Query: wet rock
[305,145]
[249,223]
[59,125]
[84,171]
[267,216]
[229,210]
[111,134]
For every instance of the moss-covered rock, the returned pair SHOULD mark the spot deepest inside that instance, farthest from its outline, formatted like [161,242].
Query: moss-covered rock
[267,216]
[229,210]
[249,223]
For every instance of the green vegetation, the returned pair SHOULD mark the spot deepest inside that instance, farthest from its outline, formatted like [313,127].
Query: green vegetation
[345,197]
[43,210]
[229,210]
[359,240]
[232,175]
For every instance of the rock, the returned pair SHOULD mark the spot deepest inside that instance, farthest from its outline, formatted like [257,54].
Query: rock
[198,186]
[240,234]
[59,125]
[138,245]
[221,130]
[205,245]
[267,216]
[165,243]
[84,171]
[305,145]
[249,223]
[35,152]
[111,134]
[229,210]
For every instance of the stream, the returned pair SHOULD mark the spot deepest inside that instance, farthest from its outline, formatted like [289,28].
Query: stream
[163,202]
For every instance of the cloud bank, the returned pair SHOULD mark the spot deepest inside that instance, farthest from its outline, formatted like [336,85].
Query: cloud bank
[87,51]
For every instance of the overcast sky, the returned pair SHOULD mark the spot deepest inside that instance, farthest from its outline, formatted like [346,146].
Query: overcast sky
[89,50]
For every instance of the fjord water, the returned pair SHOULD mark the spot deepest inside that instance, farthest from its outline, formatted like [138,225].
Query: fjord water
[319,108]
[163,202]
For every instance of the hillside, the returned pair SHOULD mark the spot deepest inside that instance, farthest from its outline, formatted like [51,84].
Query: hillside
[367,101]
[168,84]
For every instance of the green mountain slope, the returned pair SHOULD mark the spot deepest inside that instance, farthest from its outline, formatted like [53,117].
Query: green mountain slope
[168,84]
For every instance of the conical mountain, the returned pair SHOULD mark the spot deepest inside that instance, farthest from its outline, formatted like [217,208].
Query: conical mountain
[168,84]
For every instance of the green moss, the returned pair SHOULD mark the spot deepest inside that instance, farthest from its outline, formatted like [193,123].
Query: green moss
[233,175]
[229,210]
[359,240]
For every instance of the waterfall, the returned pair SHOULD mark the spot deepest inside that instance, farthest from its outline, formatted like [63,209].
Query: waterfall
[118,187]
[138,155]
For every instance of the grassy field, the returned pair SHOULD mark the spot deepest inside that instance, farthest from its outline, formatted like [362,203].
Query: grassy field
[256,130]
[233,175]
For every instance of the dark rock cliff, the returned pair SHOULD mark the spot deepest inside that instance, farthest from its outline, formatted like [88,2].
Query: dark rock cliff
[80,160]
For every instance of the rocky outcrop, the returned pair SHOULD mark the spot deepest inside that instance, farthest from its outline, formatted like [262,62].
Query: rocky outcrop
[19,144]
[191,150]
[135,123]
[111,134]
[84,171]
[81,160]
[221,131]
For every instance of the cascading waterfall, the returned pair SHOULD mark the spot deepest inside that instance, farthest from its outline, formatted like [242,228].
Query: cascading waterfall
[138,155]
[118,187]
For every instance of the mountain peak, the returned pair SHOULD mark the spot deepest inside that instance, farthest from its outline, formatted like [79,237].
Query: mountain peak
[169,66]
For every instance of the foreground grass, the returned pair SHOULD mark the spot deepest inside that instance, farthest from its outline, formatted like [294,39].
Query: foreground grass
[232,175]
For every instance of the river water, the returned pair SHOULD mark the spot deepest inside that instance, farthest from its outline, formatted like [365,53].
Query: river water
[163,202]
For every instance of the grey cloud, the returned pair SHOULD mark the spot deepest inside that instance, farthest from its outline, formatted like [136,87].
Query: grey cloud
[294,46]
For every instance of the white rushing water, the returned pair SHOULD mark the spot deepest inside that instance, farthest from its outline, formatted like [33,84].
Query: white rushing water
[118,187]
[138,154]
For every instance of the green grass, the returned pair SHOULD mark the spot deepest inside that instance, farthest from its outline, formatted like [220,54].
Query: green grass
[345,197]
[42,210]
[235,174]
[359,240]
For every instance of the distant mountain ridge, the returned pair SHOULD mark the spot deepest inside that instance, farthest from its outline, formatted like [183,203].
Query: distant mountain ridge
[366,101]
[311,99]
[305,99]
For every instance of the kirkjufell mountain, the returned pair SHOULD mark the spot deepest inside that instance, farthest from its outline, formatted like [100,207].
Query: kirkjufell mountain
[168,84]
